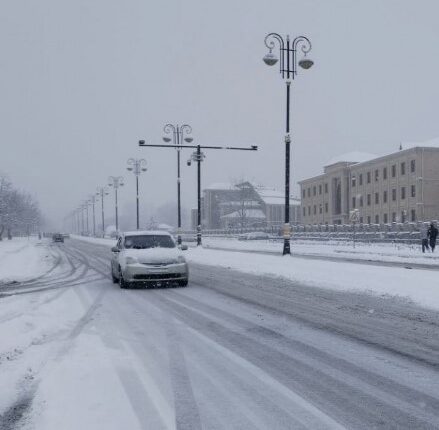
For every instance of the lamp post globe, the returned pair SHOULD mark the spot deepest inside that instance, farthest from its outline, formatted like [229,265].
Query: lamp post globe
[270,59]
[306,63]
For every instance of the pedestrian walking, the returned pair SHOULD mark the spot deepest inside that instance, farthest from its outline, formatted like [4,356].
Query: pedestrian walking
[432,235]
[424,237]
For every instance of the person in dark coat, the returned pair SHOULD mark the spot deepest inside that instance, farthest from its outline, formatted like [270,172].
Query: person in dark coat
[424,236]
[432,235]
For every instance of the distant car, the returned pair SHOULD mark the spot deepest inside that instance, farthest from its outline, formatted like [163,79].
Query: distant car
[254,235]
[57,237]
[148,258]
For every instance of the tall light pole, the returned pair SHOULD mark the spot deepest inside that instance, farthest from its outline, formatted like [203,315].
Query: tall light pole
[178,133]
[81,208]
[101,192]
[199,157]
[137,166]
[116,182]
[288,70]
[86,203]
[92,201]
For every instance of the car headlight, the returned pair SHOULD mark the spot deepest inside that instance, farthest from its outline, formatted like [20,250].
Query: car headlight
[131,260]
[181,259]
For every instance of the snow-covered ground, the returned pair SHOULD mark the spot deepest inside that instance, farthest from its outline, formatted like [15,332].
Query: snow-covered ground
[399,253]
[22,259]
[418,285]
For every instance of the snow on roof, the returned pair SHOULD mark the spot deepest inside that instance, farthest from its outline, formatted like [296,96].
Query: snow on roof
[431,143]
[248,213]
[352,157]
[221,186]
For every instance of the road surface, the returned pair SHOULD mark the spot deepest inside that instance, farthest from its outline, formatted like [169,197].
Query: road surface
[230,351]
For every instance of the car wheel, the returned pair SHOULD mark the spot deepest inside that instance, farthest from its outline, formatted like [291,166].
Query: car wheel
[122,282]
[115,280]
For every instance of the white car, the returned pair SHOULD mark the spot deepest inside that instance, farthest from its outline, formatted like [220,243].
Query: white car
[148,257]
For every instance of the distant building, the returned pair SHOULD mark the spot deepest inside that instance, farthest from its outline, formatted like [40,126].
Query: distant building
[245,205]
[399,187]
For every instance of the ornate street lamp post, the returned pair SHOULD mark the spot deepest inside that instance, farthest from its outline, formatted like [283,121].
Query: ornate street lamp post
[116,182]
[178,135]
[137,166]
[288,69]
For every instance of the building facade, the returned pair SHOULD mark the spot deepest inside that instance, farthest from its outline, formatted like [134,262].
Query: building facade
[399,187]
[245,205]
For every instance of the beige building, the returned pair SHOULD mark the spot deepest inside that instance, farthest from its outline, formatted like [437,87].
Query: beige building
[399,187]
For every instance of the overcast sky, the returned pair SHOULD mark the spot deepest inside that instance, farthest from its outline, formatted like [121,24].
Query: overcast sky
[83,80]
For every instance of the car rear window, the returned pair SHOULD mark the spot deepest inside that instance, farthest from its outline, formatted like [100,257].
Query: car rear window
[149,241]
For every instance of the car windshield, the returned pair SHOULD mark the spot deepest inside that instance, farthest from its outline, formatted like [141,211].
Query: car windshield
[149,241]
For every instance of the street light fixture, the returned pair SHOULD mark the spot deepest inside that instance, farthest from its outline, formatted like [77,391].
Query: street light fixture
[137,166]
[288,69]
[179,133]
[116,182]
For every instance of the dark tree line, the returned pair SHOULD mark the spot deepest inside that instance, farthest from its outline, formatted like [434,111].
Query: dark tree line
[19,212]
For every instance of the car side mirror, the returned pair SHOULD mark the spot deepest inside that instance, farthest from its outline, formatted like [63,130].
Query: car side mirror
[115,249]
[183,247]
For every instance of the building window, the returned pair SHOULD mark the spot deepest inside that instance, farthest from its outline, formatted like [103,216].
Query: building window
[320,189]
[393,194]
[304,211]
[368,219]
[320,209]
[413,166]
[360,179]
[354,181]
[361,201]
[314,192]
[326,207]
[368,177]
[402,168]
[393,216]
[377,175]
[361,220]
[385,173]
[315,209]
[353,202]
[413,191]
[309,210]
[304,193]
[393,170]
[402,193]
[385,219]
[368,200]
[413,215]
[377,198]
[309,192]
[377,219]
[326,188]
[385,196]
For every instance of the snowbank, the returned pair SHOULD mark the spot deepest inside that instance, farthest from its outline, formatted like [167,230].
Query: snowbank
[22,259]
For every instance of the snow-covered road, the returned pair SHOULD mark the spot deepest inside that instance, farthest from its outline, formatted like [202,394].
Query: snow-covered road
[233,350]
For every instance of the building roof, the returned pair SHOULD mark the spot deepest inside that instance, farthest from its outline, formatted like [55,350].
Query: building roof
[431,143]
[271,196]
[351,157]
[221,186]
[249,213]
